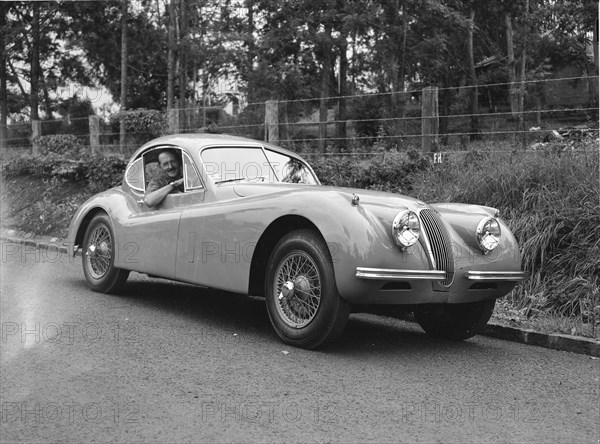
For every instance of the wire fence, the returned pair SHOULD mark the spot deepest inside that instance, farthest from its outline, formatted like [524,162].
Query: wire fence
[552,108]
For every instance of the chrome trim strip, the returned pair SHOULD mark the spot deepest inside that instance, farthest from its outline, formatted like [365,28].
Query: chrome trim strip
[496,275]
[398,275]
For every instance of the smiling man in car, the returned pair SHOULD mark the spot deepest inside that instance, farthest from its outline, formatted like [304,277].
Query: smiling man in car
[169,180]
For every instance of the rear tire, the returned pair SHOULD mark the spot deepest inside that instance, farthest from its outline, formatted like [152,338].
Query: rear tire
[303,303]
[98,257]
[455,321]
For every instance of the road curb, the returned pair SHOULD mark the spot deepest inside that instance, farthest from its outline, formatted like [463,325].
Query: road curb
[557,341]
[573,344]
[48,243]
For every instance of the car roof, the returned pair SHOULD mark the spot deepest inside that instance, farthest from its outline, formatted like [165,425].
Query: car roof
[201,140]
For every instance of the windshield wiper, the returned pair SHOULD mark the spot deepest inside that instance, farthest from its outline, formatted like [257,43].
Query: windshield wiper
[262,179]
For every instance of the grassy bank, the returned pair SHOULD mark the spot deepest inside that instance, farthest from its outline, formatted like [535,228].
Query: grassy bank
[550,198]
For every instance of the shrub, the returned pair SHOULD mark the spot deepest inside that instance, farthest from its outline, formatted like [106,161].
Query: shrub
[366,113]
[66,144]
[140,124]
[383,171]
[95,173]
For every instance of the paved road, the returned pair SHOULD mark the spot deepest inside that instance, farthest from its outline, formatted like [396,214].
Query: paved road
[173,363]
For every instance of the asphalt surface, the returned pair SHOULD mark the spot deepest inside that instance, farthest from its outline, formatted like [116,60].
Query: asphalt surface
[166,362]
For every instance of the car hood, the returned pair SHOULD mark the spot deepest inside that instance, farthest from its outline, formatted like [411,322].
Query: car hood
[366,197]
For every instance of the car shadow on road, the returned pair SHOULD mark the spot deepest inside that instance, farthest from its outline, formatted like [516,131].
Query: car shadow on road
[217,309]
[369,332]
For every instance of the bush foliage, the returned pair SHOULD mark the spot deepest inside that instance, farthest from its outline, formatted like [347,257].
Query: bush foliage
[381,171]
[95,173]
[148,123]
[66,144]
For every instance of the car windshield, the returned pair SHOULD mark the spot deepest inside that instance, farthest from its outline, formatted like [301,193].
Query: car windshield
[249,164]
[289,169]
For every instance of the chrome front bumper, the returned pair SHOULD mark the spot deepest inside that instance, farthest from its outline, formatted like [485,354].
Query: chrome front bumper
[399,275]
[436,275]
[496,275]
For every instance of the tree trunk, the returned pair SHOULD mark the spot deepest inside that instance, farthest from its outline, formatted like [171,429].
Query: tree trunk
[395,78]
[35,62]
[473,77]
[402,68]
[343,92]
[326,42]
[595,45]
[16,78]
[512,75]
[523,71]
[123,102]
[183,63]
[171,56]
[3,92]
[47,101]
[250,52]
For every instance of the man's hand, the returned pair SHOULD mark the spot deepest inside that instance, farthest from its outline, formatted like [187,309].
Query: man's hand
[177,183]
[156,197]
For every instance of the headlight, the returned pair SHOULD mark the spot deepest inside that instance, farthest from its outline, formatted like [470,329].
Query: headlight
[488,234]
[405,229]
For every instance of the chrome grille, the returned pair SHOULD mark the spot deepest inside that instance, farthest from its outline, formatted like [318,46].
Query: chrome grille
[440,249]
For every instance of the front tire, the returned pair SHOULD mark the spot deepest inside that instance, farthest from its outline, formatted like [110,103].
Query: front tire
[98,257]
[303,303]
[455,321]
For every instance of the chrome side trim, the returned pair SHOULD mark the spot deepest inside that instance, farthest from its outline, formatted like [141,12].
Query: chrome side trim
[496,275]
[398,275]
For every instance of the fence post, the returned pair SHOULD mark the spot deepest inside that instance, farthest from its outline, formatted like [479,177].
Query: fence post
[122,135]
[272,121]
[3,136]
[94,133]
[429,119]
[36,130]
[173,116]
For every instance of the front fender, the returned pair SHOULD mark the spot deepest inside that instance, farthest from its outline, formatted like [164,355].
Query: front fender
[114,202]
[360,236]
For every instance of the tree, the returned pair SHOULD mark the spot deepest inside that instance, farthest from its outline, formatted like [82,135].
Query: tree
[35,62]
[123,100]
[473,76]
[171,57]
[3,74]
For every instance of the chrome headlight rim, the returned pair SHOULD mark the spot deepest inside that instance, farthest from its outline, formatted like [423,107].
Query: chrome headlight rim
[406,229]
[488,234]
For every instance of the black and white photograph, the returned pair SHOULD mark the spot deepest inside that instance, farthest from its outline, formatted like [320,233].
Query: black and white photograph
[292,221]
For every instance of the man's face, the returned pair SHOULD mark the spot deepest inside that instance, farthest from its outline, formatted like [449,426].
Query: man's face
[169,164]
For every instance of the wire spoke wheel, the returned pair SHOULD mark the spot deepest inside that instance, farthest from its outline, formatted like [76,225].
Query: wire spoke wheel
[99,252]
[298,289]
[302,299]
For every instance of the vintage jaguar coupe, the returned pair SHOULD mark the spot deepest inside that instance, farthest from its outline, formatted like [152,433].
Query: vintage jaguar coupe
[252,218]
